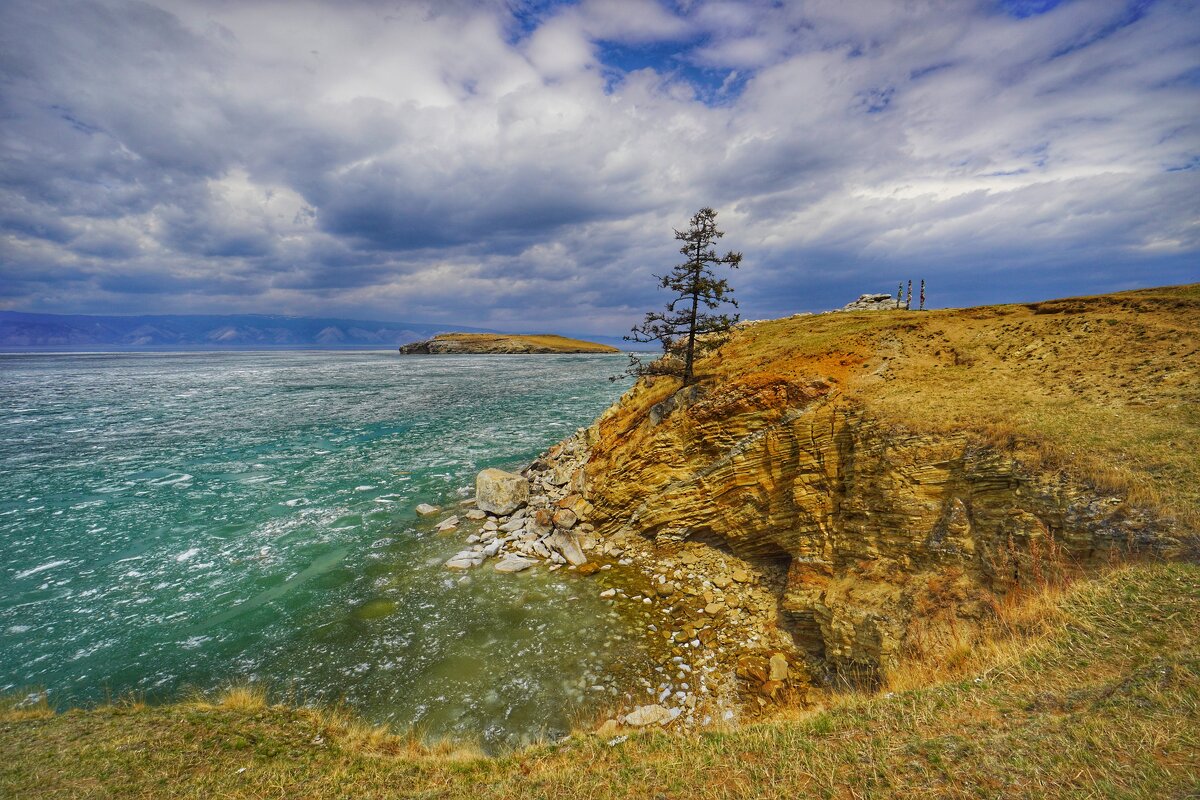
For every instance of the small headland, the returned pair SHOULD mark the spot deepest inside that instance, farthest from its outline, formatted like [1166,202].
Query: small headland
[502,344]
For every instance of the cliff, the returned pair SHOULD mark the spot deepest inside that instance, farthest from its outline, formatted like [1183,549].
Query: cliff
[501,343]
[911,470]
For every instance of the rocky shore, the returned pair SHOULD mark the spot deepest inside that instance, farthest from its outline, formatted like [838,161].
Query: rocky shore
[708,617]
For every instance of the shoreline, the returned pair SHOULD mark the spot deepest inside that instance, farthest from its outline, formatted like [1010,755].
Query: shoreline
[707,618]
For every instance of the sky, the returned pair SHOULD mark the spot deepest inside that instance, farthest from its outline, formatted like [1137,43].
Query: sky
[523,165]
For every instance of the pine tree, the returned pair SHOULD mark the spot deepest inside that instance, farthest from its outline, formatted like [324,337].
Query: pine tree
[686,330]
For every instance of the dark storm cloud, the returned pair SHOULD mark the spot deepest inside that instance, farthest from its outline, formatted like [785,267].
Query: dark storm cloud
[522,165]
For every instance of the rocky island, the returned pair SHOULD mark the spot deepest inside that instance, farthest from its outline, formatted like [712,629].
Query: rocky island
[502,344]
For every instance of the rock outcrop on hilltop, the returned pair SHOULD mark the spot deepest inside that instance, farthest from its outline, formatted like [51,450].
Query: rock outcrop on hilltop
[892,528]
[502,344]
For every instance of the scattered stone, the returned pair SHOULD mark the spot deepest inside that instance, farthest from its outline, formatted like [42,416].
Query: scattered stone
[721,581]
[426,510]
[565,544]
[689,558]
[665,589]
[490,525]
[541,523]
[476,514]
[648,715]
[564,518]
[513,563]
[514,524]
[465,560]
[712,609]
[447,525]
[590,568]
[608,593]
[500,492]
[741,576]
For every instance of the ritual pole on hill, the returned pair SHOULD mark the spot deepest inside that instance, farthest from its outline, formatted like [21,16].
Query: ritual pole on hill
[899,293]
[922,306]
[908,300]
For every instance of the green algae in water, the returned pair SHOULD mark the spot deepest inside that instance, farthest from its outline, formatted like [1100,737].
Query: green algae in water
[172,522]
[375,609]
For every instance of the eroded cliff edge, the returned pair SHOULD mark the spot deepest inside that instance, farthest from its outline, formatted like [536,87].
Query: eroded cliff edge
[910,470]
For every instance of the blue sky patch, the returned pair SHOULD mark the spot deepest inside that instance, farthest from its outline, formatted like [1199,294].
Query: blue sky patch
[1028,8]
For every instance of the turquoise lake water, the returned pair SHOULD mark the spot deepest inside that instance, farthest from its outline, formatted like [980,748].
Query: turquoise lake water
[180,522]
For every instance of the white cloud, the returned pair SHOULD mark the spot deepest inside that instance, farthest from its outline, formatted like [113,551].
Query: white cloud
[384,160]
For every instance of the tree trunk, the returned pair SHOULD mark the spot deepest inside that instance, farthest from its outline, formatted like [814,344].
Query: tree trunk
[691,345]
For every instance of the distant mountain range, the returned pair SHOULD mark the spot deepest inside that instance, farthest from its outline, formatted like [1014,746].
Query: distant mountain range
[20,330]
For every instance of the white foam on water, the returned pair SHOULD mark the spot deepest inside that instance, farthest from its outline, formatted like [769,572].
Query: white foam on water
[172,479]
[18,628]
[364,488]
[40,568]
[295,501]
[186,554]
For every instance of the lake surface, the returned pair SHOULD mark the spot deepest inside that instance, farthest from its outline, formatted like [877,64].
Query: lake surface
[180,522]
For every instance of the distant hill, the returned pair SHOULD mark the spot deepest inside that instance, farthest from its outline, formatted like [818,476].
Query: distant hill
[21,330]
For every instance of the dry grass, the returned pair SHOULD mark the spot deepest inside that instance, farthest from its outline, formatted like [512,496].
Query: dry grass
[1104,388]
[1095,693]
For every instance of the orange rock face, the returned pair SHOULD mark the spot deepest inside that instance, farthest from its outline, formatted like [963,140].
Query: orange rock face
[795,456]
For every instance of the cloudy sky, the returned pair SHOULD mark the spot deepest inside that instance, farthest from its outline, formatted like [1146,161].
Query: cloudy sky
[521,165]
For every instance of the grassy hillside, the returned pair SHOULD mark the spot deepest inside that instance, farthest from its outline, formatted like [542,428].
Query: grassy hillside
[1105,387]
[1096,695]
[1090,689]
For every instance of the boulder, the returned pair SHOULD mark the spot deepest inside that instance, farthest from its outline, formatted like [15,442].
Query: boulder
[499,492]
[426,510]
[872,302]
[513,563]
[565,543]
[648,715]
[779,668]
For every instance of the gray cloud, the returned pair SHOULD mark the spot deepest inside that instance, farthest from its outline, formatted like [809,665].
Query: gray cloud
[490,163]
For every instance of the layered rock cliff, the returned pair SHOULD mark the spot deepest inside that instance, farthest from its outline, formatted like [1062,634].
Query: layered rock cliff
[906,491]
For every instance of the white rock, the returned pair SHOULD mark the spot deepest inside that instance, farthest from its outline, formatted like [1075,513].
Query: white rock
[607,593]
[649,715]
[465,560]
[448,524]
[567,544]
[513,563]
[425,509]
